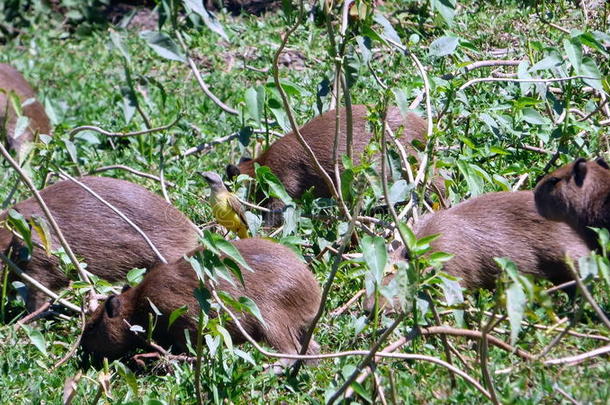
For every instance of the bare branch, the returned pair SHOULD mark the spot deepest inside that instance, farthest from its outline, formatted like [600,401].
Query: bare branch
[200,81]
[572,360]
[122,134]
[501,79]
[130,170]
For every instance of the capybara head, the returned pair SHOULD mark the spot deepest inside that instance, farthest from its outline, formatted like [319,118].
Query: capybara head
[107,334]
[576,193]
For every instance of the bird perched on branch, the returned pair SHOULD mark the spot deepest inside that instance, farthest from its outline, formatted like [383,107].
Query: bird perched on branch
[226,207]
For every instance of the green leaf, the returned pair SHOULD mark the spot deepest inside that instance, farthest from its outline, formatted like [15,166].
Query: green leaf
[21,126]
[399,191]
[531,116]
[411,238]
[129,103]
[234,268]
[18,222]
[446,8]
[251,307]
[246,356]
[364,45]
[589,68]
[443,46]
[439,257]
[154,307]
[573,49]
[388,31]
[251,98]
[209,19]
[515,307]
[71,148]
[271,184]
[163,45]
[36,338]
[375,255]
[134,276]
[553,60]
[203,297]
[41,227]
[226,336]
[176,313]
[117,42]
[128,376]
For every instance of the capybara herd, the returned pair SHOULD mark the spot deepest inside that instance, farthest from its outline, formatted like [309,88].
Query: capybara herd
[536,229]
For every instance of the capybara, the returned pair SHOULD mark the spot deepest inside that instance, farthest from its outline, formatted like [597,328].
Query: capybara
[503,224]
[283,288]
[107,243]
[13,81]
[289,161]
[578,194]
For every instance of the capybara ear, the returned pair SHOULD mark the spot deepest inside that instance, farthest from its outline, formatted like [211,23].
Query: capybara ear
[232,171]
[112,306]
[125,288]
[579,171]
[602,163]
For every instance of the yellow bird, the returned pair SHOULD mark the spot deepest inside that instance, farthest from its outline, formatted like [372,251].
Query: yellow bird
[226,207]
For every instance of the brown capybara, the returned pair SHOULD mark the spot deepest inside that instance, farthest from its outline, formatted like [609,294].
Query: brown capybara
[13,81]
[291,164]
[502,224]
[283,288]
[107,244]
[578,194]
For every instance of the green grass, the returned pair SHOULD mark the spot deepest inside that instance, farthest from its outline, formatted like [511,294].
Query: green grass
[80,78]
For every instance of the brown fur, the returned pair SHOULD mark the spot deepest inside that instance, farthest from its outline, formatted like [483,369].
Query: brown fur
[282,287]
[289,161]
[500,225]
[108,245]
[12,80]
[577,193]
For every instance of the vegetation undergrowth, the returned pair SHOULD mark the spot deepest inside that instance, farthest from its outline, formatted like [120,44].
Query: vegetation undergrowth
[487,136]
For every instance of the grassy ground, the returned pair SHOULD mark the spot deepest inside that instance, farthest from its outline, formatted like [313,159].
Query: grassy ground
[483,135]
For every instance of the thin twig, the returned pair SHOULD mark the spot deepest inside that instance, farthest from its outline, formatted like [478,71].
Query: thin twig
[579,358]
[348,304]
[33,315]
[206,146]
[122,134]
[500,79]
[481,64]
[200,81]
[130,170]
